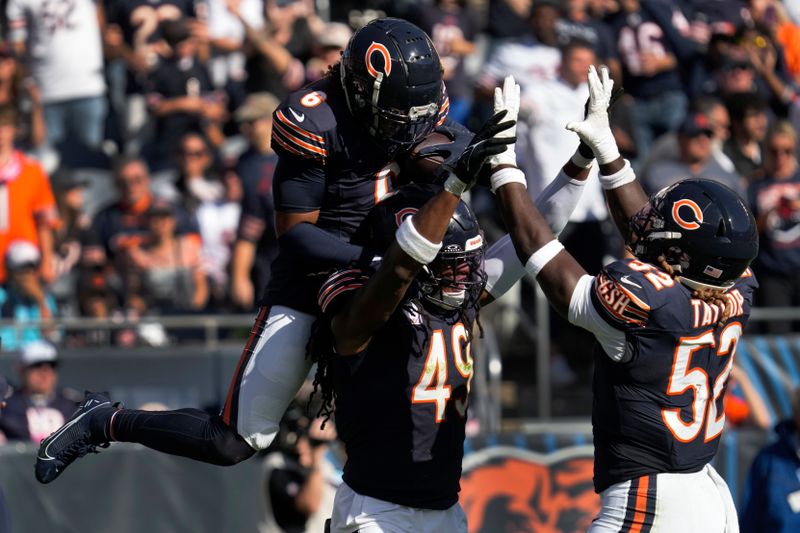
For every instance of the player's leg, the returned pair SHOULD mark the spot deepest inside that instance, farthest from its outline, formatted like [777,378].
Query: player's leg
[354,512]
[626,505]
[268,375]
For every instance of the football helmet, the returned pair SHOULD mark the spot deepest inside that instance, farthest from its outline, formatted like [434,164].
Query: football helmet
[392,78]
[456,278]
[702,228]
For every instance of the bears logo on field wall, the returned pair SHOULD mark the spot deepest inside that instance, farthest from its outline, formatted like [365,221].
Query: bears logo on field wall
[512,490]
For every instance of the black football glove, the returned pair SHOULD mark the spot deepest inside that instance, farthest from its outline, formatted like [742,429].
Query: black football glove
[467,166]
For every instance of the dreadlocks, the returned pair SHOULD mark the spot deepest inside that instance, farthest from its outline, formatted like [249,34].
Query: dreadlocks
[320,350]
[714,297]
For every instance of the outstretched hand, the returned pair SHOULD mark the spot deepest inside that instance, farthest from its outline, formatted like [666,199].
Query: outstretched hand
[507,99]
[594,129]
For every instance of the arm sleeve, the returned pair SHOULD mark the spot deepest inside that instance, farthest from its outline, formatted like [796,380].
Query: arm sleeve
[339,287]
[307,242]
[556,203]
[583,313]
[298,185]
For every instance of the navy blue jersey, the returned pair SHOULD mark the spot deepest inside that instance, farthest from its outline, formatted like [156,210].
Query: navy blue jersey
[401,404]
[651,30]
[660,409]
[328,163]
[776,206]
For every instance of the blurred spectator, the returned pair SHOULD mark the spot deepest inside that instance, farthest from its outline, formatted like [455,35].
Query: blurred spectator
[27,206]
[181,96]
[453,29]
[133,36]
[215,203]
[163,270]
[227,36]
[772,495]
[23,297]
[544,144]
[328,47]
[666,147]
[38,407]
[25,96]
[578,24]
[256,242]
[508,18]
[651,49]
[772,17]
[68,187]
[748,129]
[531,58]
[744,406]
[275,56]
[768,61]
[62,44]
[299,479]
[124,223]
[775,201]
[695,159]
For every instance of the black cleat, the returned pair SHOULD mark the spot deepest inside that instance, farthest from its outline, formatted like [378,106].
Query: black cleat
[75,438]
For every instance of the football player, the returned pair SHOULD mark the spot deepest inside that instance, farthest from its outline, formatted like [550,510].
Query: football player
[393,346]
[667,324]
[273,364]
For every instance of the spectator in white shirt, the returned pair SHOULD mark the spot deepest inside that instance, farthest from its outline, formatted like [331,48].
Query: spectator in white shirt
[63,48]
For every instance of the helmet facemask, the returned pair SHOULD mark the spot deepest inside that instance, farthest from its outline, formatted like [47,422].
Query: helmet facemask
[396,130]
[454,280]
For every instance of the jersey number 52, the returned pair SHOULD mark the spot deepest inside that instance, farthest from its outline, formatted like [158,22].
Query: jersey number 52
[684,377]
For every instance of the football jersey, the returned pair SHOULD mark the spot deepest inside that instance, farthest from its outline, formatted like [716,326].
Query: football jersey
[651,30]
[401,404]
[329,163]
[658,407]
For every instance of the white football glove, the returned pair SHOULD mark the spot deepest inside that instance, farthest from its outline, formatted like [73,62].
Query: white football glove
[594,130]
[506,99]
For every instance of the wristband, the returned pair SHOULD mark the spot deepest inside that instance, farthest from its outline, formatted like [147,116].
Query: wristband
[580,160]
[507,175]
[415,245]
[454,185]
[542,256]
[619,178]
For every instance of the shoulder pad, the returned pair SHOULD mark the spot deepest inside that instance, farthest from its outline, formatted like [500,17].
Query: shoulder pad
[303,125]
[623,291]
[338,283]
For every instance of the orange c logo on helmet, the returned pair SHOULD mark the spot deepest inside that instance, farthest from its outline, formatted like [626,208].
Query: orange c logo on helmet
[387,59]
[685,224]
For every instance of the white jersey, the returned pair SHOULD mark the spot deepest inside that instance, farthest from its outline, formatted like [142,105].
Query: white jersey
[64,46]
[529,62]
[223,25]
[544,144]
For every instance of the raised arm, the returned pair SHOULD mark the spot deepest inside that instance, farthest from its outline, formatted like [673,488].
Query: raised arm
[416,244]
[623,193]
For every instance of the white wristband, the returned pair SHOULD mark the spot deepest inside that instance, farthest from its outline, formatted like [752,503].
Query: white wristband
[454,185]
[542,256]
[415,245]
[619,178]
[580,161]
[507,175]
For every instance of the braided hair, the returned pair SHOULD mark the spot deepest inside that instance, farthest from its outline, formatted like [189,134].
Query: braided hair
[713,297]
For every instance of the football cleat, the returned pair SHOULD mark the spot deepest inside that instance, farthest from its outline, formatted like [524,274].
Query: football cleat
[75,438]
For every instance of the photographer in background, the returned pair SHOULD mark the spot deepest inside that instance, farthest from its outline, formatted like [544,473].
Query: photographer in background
[299,483]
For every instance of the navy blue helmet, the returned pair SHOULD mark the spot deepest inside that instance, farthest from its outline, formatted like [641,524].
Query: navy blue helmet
[701,228]
[392,77]
[456,278]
